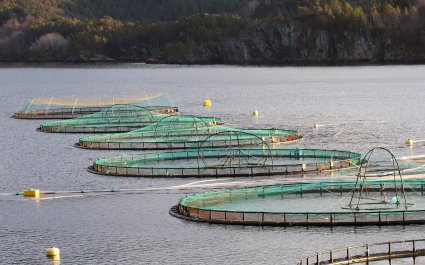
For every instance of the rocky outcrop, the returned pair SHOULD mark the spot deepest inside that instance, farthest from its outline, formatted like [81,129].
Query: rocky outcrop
[285,42]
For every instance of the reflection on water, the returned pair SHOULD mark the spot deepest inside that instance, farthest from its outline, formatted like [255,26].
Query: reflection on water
[357,107]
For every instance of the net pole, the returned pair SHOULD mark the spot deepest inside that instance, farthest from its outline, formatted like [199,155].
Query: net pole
[48,105]
[149,102]
[73,107]
[29,106]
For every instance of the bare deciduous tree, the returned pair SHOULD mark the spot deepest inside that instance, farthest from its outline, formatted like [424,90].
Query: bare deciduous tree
[51,41]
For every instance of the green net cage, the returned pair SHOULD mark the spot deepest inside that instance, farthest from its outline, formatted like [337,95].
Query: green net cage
[219,206]
[225,162]
[118,118]
[382,197]
[78,106]
[170,133]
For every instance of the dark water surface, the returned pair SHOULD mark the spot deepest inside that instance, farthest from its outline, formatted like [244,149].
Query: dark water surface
[360,107]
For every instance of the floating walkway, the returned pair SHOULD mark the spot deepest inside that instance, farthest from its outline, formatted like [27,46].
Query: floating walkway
[407,252]
[74,107]
[226,162]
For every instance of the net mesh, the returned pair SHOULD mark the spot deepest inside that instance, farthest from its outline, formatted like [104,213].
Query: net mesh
[226,162]
[118,118]
[77,106]
[211,198]
[172,133]
[210,206]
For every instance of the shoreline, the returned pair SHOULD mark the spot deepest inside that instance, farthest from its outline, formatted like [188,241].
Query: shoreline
[65,63]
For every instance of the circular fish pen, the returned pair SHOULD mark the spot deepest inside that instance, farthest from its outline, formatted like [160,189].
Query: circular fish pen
[216,162]
[74,107]
[302,204]
[407,252]
[171,133]
[118,118]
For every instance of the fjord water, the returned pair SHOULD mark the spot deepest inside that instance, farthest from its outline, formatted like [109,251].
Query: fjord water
[359,108]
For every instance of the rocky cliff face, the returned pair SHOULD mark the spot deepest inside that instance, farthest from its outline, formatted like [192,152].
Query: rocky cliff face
[231,32]
[300,43]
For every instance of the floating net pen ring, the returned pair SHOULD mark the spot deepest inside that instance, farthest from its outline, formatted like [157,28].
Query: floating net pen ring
[74,106]
[116,118]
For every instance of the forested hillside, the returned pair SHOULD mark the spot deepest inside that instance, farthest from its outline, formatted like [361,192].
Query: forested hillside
[214,31]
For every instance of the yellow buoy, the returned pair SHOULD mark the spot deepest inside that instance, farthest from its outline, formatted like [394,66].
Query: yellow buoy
[409,142]
[207,103]
[52,252]
[315,125]
[255,113]
[31,193]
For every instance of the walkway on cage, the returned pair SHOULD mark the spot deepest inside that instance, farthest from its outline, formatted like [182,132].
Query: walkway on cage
[405,252]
